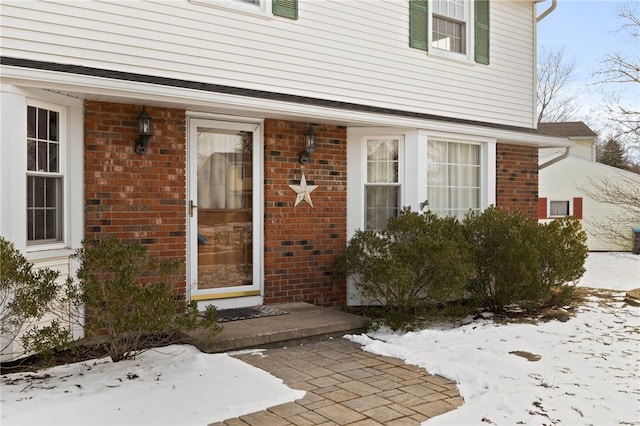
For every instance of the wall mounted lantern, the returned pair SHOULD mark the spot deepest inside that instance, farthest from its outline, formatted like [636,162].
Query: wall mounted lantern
[145,126]
[309,146]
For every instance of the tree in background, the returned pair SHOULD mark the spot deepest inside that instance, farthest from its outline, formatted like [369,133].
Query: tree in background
[625,72]
[613,154]
[555,103]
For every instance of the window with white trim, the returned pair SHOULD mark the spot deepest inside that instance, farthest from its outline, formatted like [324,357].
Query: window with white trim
[458,29]
[382,187]
[265,8]
[449,25]
[44,174]
[453,178]
[559,208]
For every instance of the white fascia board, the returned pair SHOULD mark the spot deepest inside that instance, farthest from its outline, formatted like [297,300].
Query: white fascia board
[192,99]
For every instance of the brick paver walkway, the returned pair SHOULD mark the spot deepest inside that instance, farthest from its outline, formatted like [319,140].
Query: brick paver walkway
[348,386]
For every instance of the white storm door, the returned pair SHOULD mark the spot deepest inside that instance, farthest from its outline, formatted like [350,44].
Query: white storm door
[224,209]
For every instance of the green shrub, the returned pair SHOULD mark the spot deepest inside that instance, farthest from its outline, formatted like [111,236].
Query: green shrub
[563,249]
[127,296]
[505,256]
[417,260]
[25,296]
[520,261]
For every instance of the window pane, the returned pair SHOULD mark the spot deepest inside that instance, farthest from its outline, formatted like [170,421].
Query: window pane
[38,191]
[448,35]
[53,126]
[42,157]
[31,155]
[559,208]
[38,224]
[453,178]
[44,208]
[381,203]
[53,157]
[382,160]
[42,124]
[31,122]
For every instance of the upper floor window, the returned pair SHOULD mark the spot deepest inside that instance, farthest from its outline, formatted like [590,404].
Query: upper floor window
[453,178]
[267,8]
[44,175]
[458,28]
[449,19]
[382,187]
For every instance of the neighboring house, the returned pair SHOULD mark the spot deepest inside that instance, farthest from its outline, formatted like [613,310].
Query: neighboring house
[566,187]
[409,101]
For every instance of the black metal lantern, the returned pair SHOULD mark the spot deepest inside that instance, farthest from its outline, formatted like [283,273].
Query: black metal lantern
[145,131]
[309,146]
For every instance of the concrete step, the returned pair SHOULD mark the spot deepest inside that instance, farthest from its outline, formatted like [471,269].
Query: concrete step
[303,323]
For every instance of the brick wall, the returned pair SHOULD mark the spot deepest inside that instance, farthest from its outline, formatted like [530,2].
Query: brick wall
[301,243]
[517,179]
[131,196]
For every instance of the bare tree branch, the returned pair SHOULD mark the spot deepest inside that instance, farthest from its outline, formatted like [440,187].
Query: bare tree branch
[554,74]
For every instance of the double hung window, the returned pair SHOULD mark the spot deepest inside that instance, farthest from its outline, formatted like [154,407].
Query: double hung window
[266,8]
[44,175]
[449,25]
[453,178]
[453,28]
[382,187]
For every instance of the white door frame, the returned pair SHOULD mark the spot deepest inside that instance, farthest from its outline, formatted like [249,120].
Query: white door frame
[229,297]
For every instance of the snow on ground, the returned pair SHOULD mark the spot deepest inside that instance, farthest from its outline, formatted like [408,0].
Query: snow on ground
[587,374]
[175,385]
[588,371]
[613,271]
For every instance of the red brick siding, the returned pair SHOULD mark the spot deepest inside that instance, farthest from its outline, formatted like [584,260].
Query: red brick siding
[131,196]
[301,243]
[517,179]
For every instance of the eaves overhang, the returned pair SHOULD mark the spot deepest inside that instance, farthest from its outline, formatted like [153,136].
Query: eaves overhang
[117,86]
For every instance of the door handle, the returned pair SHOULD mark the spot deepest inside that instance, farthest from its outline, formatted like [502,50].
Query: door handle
[191,207]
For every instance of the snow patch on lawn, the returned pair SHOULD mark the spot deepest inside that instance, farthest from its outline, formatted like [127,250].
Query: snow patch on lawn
[174,385]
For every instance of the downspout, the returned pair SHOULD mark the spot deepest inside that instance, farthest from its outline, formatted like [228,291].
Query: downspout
[555,160]
[544,14]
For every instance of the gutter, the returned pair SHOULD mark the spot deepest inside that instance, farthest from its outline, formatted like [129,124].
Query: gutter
[554,4]
[555,160]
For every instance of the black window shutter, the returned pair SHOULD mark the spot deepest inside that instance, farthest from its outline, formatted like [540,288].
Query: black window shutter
[418,24]
[285,8]
[482,31]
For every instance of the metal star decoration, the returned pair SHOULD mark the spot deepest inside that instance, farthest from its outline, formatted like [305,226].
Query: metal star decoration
[303,191]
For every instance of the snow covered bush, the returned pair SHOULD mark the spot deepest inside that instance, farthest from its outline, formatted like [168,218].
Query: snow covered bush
[25,297]
[417,260]
[128,296]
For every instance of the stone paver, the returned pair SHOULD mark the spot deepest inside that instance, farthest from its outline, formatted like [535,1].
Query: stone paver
[347,386]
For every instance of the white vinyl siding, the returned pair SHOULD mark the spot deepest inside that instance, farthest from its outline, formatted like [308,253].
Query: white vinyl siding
[348,51]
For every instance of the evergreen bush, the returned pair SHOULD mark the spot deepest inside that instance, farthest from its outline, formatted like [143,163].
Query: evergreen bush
[419,259]
[518,261]
[562,244]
